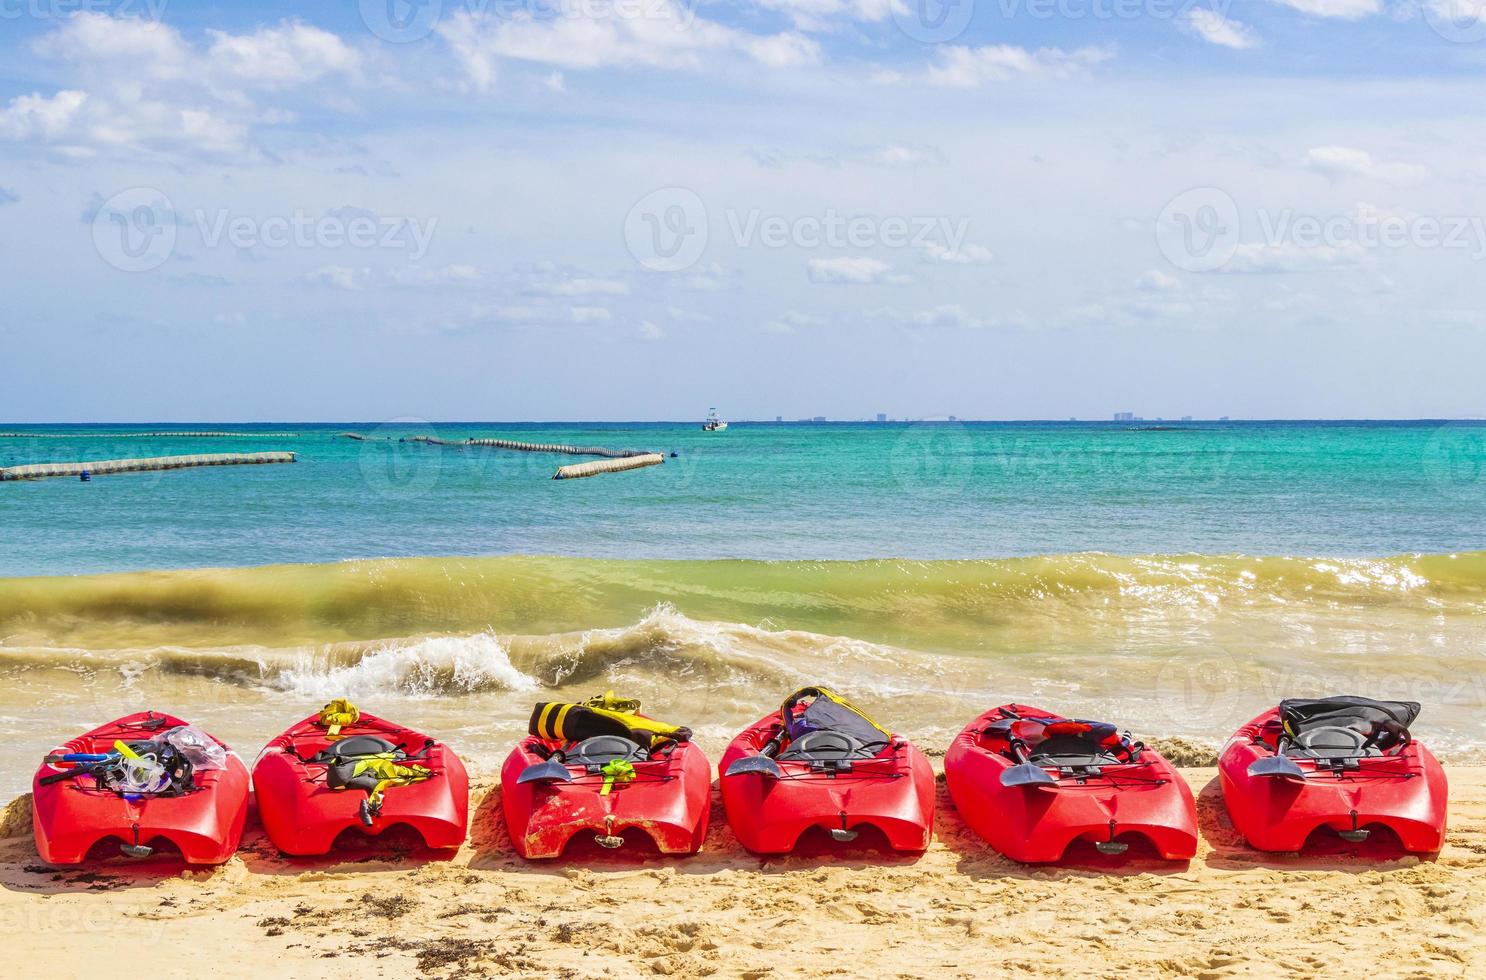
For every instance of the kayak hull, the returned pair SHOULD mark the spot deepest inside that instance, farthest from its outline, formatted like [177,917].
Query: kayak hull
[303,816]
[1036,824]
[1407,793]
[69,818]
[892,793]
[668,801]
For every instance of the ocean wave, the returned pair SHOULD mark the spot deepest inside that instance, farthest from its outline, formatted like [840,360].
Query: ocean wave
[937,605]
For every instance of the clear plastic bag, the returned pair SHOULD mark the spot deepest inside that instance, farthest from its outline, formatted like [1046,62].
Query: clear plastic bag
[197,746]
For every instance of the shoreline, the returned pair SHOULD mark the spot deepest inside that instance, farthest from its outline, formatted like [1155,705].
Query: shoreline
[959,910]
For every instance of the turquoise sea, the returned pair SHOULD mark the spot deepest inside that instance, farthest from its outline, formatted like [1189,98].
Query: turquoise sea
[762,491]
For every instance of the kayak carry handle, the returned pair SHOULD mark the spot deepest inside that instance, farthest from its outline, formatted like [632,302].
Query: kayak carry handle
[761,764]
[1277,766]
[545,772]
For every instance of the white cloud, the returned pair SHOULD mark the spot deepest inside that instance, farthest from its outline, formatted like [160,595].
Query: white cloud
[894,155]
[964,67]
[970,254]
[791,321]
[606,33]
[854,270]
[1156,281]
[441,277]
[821,15]
[1338,9]
[281,57]
[1345,161]
[340,277]
[137,87]
[649,330]
[1214,28]
[36,117]
[945,315]
[585,286]
[1258,258]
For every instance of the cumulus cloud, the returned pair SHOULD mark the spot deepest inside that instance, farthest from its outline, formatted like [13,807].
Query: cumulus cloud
[1156,281]
[607,34]
[791,321]
[820,15]
[340,277]
[1286,257]
[969,254]
[851,270]
[945,315]
[1336,9]
[1346,161]
[1214,28]
[138,87]
[959,66]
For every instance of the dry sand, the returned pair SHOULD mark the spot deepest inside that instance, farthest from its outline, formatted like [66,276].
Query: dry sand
[960,910]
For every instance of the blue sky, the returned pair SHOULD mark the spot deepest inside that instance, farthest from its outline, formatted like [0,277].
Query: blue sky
[573,209]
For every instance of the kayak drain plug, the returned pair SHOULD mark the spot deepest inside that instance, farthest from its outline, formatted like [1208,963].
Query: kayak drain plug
[842,834]
[1355,835]
[136,850]
[1111,846]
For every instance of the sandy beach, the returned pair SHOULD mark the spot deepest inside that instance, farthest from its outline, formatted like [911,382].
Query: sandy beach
[959,910]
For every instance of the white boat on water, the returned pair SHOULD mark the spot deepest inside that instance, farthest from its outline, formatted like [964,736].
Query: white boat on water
[713,423]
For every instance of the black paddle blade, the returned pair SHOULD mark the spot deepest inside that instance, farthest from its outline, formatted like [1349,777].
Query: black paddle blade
[545,772]
[761,764]
[1027,774]
[1277,766]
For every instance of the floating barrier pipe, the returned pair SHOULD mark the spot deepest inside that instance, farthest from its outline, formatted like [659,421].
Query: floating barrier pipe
[554,447]
[103,467]
[149,435]
[579,470]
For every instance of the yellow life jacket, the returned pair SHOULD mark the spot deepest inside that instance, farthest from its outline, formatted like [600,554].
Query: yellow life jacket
[604,714]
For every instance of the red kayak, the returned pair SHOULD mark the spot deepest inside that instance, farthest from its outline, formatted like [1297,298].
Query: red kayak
[188,792]
[1347,764]
[342,769]
[1031,783]
[604,769]
[819,762]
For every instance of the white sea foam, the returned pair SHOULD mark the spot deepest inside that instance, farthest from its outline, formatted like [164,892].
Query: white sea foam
[435,665]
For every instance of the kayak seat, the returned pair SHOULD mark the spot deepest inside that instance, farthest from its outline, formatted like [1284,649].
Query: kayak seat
[601,750]
[1329,742]
[829,746]
[355,746]
[1071,751]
